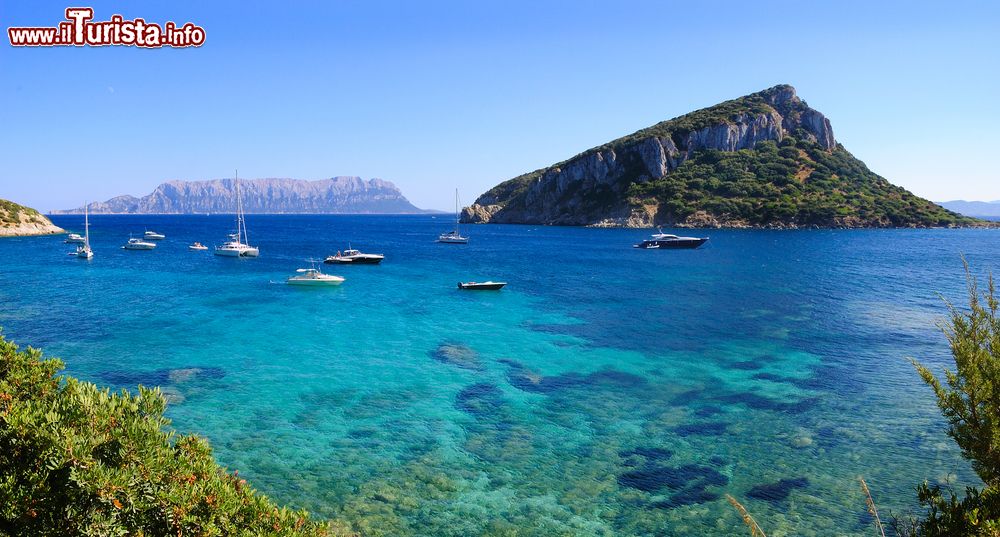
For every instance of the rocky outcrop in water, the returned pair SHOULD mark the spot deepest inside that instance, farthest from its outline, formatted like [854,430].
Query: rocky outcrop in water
[338,195]
[19,221]
[668,174]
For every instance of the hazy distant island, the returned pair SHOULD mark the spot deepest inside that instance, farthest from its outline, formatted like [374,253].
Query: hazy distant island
[337,195]
[984,209]
[766,160]
[18,220]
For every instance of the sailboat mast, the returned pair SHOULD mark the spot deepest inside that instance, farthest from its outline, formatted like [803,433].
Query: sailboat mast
[456,211]
[239,210]
[86,224]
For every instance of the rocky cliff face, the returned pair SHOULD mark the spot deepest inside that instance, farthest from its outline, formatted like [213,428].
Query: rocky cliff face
[590,188]
[343,195]
[18,220]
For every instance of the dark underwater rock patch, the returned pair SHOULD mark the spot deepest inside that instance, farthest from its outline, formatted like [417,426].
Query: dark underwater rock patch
[716,460]
[458,356]
[712,428]
[648,453]
[779,491]
[689,483]
[524,379]
[707,411]
[652,478]
[747,366]
[757,402]
[481,400]
[771,377]
[162,377]
[691,496]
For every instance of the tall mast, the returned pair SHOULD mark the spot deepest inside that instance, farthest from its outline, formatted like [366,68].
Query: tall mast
[456,211]
[86,225]
[239,210]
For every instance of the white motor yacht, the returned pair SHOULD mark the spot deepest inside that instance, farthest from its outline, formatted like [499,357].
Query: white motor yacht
[153,236]
[74,238]
[314,276]
[138,244]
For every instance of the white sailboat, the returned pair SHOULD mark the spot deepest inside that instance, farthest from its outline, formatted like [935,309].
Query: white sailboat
[454,237]
[235,247]
[83,251]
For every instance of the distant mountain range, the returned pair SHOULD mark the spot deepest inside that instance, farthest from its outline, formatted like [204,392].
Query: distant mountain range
[765,160]
[337,195]
[973,208]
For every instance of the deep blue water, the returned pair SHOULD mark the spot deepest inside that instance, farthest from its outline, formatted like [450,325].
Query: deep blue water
[605,391]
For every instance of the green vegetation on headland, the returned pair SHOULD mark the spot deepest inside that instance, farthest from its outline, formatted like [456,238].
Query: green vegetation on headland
[764,160]
[794,183]
[20,220]
[11,213]
[79,460]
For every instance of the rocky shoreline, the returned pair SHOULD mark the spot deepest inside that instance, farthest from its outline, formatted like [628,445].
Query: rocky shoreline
[20,221]
[30,229]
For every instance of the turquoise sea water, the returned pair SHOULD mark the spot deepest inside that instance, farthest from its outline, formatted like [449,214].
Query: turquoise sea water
[605,391]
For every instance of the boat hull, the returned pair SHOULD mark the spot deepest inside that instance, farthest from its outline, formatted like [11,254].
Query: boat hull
[237,252]
[452,240]
[360,260]
[311,282]
[486,286]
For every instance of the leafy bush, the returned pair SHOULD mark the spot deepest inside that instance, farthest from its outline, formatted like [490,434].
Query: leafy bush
[969,398]
[79,460]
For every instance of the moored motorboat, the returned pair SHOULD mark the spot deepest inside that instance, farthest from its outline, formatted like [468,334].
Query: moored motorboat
[153,236]
[481,286]
[138,244]
[197,246]
[74,238]
[661,241]
[354,257]
[314,277]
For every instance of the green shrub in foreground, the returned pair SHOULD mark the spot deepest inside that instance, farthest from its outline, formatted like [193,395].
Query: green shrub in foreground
[79,460]
[969,398]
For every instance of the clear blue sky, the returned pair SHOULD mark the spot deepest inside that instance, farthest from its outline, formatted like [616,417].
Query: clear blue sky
[434,95]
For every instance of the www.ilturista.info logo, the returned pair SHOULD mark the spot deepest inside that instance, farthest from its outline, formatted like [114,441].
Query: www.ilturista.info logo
[79,30]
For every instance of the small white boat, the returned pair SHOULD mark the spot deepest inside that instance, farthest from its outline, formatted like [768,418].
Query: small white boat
[74,238]
[235,247]
[83,251]
[198,246]
[153,236]
[138,244]
[454,236]
[314,276]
